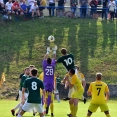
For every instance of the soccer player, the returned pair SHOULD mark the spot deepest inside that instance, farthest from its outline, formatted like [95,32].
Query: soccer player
[41,77]
[33,84]
[49,69]
[56,92]
[100,94]
[24,77]
[83,81]
[68,61]
[76,94]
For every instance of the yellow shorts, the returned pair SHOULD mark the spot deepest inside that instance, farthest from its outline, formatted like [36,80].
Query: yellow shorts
[52,96]
[77,94]
[94,107]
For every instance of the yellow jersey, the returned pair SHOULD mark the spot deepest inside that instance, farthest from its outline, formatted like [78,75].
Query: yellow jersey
[43,2]
[98,90]
[81,76]
[77,83]
[41,76]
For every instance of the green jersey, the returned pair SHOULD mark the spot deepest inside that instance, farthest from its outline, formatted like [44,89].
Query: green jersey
[33,85]
[24,77]
[67,61]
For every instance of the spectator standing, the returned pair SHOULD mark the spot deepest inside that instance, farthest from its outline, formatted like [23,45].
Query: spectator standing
[105,9]
[73,4]
[51,7]
[61,4]
[116,9]
[112,6]
[83,9]
[42,7]
[93,5]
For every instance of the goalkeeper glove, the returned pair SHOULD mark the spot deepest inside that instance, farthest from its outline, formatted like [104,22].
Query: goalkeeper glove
[54,49]
[48,50]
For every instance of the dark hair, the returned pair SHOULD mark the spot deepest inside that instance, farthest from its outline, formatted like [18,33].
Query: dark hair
[99,76]
[34,72]
[64,51]
[49,60]
[72,71]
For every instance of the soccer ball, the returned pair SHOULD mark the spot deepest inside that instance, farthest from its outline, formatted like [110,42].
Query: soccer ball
[51,38]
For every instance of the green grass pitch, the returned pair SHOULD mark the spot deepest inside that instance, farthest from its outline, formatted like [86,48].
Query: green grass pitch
[60,109]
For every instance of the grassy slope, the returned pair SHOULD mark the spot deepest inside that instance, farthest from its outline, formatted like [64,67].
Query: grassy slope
[61,109]
[93,44]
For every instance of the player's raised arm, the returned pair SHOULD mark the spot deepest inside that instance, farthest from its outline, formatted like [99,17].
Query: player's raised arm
[46,55]
[54,52]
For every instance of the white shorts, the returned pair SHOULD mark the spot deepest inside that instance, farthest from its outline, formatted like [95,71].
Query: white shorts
[28,107]
[20,95]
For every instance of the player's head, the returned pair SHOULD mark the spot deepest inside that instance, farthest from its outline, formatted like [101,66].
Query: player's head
[27,71]
[71,72]
[64,51]
[34,72]
[31,66]
[98,76]
[49,60]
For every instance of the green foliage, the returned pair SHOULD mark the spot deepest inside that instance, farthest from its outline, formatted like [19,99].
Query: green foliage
[93,43]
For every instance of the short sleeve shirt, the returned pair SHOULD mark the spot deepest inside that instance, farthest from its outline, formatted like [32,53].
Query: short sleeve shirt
[33,8]
[34,85]
[67,61]
[98,90]
[76,82]
[9,6]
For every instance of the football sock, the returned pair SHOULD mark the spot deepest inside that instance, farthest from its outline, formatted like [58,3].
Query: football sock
[17,107]
[42,100]
[19,115]
[51,107]
[72,108]
[82,97]
[45,105]
[20,108]
[57,97]
[75,110]
[49,101]
[108,115]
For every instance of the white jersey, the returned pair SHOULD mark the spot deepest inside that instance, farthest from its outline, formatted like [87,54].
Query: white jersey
[9,6]
[33,8]
[30,2]
[1,1]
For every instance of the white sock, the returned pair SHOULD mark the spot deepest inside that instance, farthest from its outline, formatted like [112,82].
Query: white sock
[20,108]
[57,97]
[19,115]
[17,107]
[82,97]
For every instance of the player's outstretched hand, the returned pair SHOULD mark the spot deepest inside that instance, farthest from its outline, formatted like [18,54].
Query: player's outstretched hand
[48,50]
[54,48]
